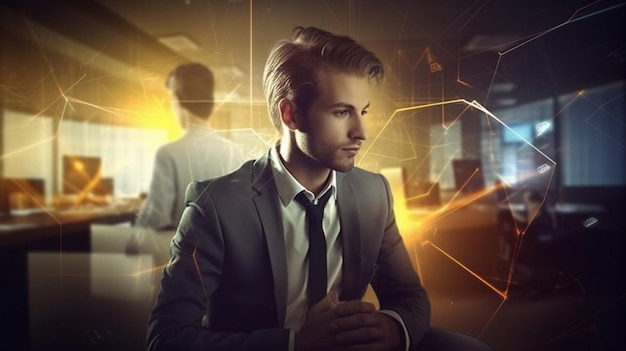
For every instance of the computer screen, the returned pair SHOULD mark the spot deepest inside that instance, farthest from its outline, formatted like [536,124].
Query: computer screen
[81,174]
[468,175]
[518,133]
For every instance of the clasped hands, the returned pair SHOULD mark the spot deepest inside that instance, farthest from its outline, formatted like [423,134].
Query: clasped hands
[348,325]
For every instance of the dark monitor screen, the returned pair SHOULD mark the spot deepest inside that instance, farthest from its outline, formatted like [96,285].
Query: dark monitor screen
[423,194]
[81,174]
[468,175]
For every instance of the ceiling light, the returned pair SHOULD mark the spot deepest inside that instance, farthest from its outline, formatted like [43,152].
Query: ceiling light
[502,87]
[506,102]
[179,43]
[496,43]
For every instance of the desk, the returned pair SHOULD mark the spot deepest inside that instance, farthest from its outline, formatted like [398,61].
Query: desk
[56,231]
[27,230]
[560,208]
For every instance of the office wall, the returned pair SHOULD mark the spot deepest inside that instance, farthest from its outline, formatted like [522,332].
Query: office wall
[27,143]
[127,153]
[516,160]
[594,136]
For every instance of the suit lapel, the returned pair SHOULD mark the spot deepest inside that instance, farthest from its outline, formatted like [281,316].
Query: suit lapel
[266,203]
[349,217]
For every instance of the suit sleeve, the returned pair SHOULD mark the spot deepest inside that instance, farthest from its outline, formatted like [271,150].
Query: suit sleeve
[396,283]
[178,320]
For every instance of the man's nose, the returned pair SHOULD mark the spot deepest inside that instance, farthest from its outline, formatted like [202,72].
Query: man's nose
[357,129]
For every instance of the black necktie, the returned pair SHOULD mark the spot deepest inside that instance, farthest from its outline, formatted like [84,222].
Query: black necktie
[317,246]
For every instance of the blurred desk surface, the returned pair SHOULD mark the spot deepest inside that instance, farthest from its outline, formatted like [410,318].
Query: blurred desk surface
[470,216]
[24,229]
[559,208]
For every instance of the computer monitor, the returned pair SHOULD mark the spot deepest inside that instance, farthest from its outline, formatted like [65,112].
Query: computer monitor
[468,175]
[81,174]
[21,194]
[423,194]
[105,187]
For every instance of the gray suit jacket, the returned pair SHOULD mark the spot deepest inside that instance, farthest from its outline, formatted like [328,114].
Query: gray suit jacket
[225,287]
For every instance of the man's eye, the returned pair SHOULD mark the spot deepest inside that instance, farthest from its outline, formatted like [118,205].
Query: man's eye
[342,113]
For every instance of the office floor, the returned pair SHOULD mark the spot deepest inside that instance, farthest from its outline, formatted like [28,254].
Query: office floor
[580,304]
[581,308]
[551,322]
[524,322]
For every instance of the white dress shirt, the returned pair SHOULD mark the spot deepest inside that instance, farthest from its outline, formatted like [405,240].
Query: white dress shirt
[297,241]
[297,244]
[202,153]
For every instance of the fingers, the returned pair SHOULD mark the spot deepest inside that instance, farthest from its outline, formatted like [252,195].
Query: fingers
[315,333]
[359,320]
[326,304]
[350,325]
[352,307]
[359,324]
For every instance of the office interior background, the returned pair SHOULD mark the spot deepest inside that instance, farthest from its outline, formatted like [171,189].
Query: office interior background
[482,100]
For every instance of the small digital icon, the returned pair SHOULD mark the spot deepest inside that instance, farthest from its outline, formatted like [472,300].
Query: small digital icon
[435,67]
[542,127]
[589,222]
[543,168]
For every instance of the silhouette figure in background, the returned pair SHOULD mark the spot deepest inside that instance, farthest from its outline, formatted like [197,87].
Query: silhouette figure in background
[243,274]
[201,153]
[533,268]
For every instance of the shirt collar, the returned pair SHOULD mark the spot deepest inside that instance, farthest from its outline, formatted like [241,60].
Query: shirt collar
[288,186]
[199,129]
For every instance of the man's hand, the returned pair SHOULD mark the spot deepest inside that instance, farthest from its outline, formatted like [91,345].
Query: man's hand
[315,334]
[351,326]
[358,326]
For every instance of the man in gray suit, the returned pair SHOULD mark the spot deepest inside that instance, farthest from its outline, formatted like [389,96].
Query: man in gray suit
[239,276]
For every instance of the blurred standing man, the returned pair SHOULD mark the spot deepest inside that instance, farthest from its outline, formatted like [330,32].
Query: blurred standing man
[245,272]
[201,153]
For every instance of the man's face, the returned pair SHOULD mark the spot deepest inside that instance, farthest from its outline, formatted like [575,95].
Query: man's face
[332,131]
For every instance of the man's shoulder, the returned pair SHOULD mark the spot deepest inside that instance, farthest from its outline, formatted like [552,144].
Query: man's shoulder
[170,150]
[235,178]
[366,182]
[236,181]
[357,174]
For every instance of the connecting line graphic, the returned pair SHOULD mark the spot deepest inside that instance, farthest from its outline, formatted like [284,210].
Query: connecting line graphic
[451,206]
[572,19]
[615,118]
[472,103]
[503,295]
[481,279]
[457,201]
[611,304]
[67,101]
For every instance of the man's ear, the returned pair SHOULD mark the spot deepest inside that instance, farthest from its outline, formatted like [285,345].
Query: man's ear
[288,113]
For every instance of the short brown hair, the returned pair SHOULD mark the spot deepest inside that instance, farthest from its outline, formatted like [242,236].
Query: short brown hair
[291,70]
[193,85]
